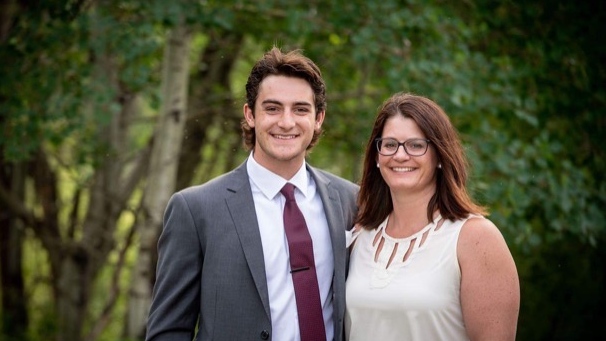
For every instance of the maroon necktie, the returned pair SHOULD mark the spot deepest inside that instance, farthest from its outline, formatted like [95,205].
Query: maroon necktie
[303,269]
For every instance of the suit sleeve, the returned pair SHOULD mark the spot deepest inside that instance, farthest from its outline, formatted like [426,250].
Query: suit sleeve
[176,298]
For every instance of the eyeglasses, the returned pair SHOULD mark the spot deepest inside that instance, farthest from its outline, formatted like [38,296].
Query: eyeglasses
[413,147]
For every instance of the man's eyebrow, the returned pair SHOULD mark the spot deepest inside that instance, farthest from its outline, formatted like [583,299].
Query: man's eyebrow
[271,101]
[298,103]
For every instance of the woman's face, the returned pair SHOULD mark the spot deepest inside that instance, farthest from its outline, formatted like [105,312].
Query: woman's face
[401,171]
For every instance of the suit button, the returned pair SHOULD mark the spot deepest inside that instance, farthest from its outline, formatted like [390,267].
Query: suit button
[265,335]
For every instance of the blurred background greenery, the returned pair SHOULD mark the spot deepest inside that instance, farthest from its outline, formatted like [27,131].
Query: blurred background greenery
[95,136]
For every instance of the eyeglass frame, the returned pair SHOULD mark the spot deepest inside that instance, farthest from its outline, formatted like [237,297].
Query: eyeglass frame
[378,141]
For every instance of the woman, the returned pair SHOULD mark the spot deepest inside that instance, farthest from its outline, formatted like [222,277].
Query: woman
[426,264]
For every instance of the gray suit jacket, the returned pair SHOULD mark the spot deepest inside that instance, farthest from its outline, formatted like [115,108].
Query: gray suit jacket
[211,270]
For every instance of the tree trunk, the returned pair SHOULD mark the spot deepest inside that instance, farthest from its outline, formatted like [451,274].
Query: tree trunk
[85,253]
[211,101]
[161,179]
[14,312]
[82,258]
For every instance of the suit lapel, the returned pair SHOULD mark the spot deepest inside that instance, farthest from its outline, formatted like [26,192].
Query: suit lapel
[242,209]
[334,215]
[336,224]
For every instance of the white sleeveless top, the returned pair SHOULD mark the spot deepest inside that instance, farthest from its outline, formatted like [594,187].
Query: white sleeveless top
[416,296]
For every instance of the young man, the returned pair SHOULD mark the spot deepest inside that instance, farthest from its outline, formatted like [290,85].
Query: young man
[224,270]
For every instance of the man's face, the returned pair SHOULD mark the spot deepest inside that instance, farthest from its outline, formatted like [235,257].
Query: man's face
[284,120]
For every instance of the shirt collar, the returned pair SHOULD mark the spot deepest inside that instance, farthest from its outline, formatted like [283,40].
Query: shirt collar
[270,183]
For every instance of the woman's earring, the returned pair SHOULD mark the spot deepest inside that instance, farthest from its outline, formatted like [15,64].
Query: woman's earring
[377,165]
[440,165]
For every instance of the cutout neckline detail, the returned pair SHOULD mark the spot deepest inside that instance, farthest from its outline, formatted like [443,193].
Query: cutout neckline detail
[391,251]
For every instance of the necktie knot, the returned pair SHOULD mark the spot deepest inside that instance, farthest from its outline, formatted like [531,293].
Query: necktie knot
[288,191]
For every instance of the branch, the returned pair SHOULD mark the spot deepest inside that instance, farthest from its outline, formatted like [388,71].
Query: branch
[114,291]
[45,185]
[16,206]
[137,172]
[73,217]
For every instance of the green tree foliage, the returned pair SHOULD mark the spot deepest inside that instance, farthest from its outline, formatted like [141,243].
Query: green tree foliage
[544,180]
[521,80]
[41,54]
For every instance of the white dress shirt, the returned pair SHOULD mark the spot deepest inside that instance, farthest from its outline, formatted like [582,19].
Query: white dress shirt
[269,206]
